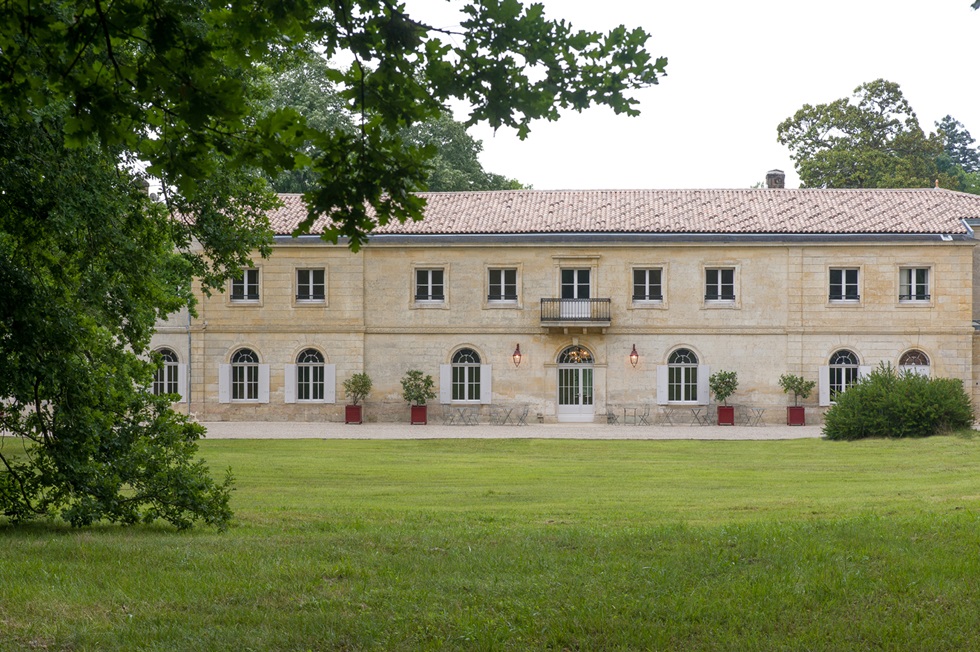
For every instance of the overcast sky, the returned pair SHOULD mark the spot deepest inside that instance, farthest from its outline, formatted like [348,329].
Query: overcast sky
[736,70]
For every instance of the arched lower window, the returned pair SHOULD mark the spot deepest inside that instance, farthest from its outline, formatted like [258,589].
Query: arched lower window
[466,375]
[245,375]
[914,361]
[309,376]
[165,378]
[843,371]
[682,376]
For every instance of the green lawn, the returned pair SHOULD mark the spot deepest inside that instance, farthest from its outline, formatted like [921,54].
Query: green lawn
[523,544]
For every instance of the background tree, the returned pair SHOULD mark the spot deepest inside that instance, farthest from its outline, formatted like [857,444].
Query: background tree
[874,142]
[454,165]
[959,160]
[958,145]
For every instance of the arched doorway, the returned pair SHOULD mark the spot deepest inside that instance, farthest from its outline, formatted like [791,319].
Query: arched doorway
[575,385]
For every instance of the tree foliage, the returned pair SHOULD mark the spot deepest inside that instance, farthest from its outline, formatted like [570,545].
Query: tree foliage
[87,264]
[960,159]
[873,142]
[454,164]
[173,82]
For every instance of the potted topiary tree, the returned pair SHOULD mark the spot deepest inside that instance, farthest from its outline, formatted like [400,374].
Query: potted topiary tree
[801,388]
[723,384]
[417,389]
[356,388]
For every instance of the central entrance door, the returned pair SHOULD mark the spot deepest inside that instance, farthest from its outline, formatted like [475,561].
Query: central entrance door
[575,385]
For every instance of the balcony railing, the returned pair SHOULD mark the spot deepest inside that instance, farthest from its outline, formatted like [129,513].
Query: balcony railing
[587,311]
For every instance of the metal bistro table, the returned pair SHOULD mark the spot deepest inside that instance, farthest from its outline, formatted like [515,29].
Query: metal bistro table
[629,412]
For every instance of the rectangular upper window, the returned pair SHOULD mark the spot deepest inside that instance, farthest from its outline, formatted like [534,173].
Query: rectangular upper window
[844,284]
[246,286]
[310,285]
[648,284]
[913,284]
[719,284]
[502,285]
[429,285]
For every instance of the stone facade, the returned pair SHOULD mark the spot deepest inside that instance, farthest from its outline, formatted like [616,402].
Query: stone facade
[780,317]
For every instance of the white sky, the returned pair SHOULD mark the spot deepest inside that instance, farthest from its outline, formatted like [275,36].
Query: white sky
[735,71]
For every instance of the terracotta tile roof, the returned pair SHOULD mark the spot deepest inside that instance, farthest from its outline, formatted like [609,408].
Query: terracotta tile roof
[748,211]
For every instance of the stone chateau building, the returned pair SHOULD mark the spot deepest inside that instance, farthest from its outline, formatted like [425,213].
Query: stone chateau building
[611,297]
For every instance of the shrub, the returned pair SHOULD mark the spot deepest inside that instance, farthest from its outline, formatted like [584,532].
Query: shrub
[891,404]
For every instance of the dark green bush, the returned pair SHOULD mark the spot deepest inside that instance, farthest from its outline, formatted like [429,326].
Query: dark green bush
[891,404]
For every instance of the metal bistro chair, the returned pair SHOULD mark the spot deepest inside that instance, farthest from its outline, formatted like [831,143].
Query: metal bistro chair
[643,418]
[522,414]
[701,415]
[612,418]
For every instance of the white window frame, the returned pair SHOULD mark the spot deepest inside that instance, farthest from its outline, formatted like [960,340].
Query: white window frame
[647,298]
[430,285]
[227,379]
[501,297]
[240,290]
[908,286]
[466,387]
[828,383]
[576,285]
[714,287]
[294,378]
[171,376]
[848,290]
[306,288]
[448,374]
[692,376]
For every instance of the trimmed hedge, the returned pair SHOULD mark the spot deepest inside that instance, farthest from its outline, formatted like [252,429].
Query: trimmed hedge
[891,404]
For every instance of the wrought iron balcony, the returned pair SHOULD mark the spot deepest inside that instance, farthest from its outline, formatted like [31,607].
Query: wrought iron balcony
[595,312]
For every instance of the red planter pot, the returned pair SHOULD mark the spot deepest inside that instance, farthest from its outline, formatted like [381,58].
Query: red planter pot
[726,415]
[795,415]
[353,413]
[420,415]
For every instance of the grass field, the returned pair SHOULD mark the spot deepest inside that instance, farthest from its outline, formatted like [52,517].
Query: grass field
[530,544]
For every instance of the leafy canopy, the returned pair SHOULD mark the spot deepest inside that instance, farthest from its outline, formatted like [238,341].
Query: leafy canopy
[873,142]
[173,81]
[87,265]
[454,164]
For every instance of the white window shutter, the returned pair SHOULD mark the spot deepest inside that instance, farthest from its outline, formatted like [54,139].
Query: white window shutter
[289,388]
[704,391]
[182,381]
[445,383]
[486,388]
[329,383]
[864,371]
[663,377]
[823,376]
[224,383]
[263,383]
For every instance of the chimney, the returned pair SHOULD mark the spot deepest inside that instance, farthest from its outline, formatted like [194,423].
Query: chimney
[775,179]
